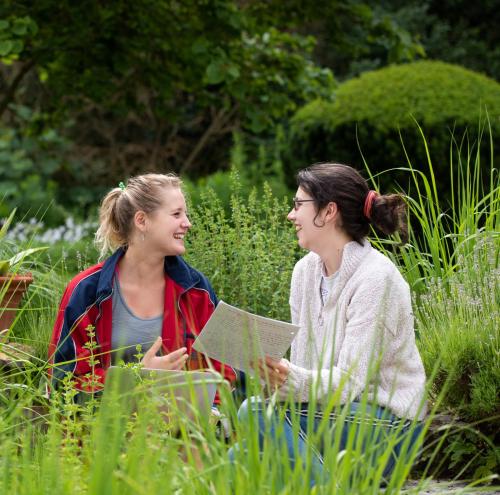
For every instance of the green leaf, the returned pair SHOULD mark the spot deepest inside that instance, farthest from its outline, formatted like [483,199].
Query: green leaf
[233,71]
[5,47]
[19,257]
[17,46]
[20,27]
[6,224]
[4,24]
[215,73]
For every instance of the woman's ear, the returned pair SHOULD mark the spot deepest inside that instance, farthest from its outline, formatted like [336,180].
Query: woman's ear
[140,220]
[331,212]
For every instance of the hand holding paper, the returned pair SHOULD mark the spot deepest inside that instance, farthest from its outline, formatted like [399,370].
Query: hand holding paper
[236,337]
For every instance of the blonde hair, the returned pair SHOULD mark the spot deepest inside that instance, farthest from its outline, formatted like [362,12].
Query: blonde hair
[142,193]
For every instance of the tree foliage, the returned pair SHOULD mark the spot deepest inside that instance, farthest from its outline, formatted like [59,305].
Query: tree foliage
[162,83]
[136,86]
[455,31]
[374,112]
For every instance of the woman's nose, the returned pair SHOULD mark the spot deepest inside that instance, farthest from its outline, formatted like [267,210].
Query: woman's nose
[291,215]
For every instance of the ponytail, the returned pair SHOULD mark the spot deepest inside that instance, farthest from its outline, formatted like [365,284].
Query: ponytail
[116,214]
[389,215]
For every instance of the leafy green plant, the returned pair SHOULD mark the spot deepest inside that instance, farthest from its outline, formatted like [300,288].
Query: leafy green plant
[373,112]
[252,171]
[452,263]
[8,265]
[31,159]
[247,254]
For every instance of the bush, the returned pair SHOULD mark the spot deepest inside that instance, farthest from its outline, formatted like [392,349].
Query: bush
[458,323]
[263,167]
[248,255]
[445,100]
[460,341]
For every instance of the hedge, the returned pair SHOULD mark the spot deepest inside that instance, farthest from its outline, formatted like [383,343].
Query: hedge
[445,100]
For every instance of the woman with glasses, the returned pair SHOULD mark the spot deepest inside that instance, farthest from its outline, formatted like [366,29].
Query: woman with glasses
[354,364]
[144,302]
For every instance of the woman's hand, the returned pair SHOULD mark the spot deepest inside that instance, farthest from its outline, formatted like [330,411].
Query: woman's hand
[173,361]
[275,373]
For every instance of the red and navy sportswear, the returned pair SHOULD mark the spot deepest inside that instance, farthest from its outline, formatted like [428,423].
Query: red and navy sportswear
[87,301]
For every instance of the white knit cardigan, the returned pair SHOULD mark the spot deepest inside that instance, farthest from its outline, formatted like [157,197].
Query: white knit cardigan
[362,338]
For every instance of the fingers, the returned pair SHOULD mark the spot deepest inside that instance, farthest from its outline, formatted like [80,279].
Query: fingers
[174,360]
[152,351]
[279,366]
[273,372]
[175,355]
[177,363]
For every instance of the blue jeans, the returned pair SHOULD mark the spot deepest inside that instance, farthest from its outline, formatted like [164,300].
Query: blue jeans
[369,429]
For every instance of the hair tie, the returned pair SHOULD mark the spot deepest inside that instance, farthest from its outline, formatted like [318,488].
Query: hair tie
[370,198]
[122,186]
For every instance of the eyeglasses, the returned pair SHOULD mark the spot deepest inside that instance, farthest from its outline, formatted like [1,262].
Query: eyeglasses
[297,202]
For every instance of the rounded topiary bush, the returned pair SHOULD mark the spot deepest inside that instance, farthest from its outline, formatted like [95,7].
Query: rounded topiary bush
[381,107]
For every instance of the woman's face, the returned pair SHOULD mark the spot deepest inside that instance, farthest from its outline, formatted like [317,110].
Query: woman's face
[302,215]
[167,226]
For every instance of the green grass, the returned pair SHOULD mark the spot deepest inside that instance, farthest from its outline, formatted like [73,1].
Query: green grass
[452,263]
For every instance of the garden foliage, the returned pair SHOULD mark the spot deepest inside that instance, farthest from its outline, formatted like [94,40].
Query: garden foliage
[372,114]
[248,253]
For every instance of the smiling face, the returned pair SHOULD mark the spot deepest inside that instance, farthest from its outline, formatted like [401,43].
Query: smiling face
[166,227]
[303,216]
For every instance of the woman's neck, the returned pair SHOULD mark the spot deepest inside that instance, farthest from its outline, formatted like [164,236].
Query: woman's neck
[331,253]
[137,265]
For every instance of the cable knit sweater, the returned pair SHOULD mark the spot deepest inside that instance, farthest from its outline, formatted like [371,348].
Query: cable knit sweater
[362,338]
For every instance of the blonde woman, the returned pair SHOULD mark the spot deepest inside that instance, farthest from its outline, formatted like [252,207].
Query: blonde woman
[143,294]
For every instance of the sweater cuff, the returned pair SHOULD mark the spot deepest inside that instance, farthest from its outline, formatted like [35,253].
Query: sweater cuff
[296,386]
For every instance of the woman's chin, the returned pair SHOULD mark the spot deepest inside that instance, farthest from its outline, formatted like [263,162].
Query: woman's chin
[301,243]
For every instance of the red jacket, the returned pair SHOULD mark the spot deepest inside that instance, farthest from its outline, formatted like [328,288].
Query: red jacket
[87,303]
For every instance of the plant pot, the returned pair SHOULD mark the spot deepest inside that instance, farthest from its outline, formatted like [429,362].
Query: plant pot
[12,288]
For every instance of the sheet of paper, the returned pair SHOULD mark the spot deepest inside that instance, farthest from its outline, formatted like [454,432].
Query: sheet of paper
[236,337]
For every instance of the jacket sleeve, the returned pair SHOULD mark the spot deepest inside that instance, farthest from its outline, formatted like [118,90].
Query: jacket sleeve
[211,302]
[70,348]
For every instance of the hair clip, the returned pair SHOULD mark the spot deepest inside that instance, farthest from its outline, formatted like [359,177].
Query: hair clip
[122,186]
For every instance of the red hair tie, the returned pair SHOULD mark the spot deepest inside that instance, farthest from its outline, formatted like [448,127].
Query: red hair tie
[370,198]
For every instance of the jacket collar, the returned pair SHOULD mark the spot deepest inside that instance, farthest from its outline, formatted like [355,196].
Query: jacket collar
[175,267]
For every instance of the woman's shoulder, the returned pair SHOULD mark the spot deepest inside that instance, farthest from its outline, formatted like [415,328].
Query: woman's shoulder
[378,266]
[89,274]
[307,263]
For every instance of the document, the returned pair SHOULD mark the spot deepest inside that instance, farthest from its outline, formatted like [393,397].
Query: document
[237,338]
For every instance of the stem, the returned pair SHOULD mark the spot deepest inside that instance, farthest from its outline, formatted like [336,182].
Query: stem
[9,94]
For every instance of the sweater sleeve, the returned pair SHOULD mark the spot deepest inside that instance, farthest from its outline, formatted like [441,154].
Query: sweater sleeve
[295,295]
[372,318]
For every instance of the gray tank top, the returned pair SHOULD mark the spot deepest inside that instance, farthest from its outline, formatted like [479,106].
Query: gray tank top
[130,330]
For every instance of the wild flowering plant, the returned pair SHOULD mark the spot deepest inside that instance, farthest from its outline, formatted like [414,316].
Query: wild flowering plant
[34,230]
[11,264]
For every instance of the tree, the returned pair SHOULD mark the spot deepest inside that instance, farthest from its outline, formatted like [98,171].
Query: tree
[163,83]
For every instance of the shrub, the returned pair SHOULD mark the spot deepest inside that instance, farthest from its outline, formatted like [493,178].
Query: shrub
[452,263]
[248,255]
[264,166]
[444,99]
[460,341]
[458,322]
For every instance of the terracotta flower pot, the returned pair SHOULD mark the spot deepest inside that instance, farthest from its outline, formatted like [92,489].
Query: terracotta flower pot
[12,287]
